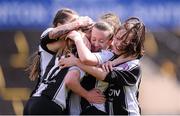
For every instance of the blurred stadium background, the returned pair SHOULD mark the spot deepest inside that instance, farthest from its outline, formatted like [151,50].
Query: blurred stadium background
[22,22]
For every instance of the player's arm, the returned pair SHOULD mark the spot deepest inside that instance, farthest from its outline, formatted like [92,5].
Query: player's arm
[50,38]
[72,81]
[93,70]
[108,66]
[97,72]
[119,77]
[123,77]
[85,55]
[64,29]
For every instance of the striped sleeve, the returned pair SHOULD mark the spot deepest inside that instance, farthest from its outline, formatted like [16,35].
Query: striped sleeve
[123,77]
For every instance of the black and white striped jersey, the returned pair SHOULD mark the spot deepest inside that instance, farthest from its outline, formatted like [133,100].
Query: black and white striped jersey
[120,86]
[122,92]
[51,83]
[45,54]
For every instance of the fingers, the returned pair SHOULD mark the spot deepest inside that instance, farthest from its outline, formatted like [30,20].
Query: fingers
[107,66]
[73,35]
[110,66]
[63,66]
[62,63]
[85,20]
[97,90]
[96,96]
[98,99]
[103,67]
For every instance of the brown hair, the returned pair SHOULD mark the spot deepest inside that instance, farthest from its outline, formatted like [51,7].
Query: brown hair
[133,39]
[111,19]
[62,16]
[105,27]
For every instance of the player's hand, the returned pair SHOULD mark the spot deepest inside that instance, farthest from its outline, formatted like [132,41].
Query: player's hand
[71,60]
[108,66]
[74,35]
[95,96]
[85,21]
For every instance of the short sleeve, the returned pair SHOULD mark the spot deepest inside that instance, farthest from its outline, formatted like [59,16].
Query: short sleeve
[103,56]
[82,73]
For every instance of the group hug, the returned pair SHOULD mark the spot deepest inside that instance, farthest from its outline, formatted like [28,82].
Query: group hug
[87,67]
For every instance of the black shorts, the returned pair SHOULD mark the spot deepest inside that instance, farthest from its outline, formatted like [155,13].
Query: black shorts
[92,110]
[42,106]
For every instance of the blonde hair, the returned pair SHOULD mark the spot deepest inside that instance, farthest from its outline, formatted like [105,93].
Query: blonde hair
[104,26]
[111,19]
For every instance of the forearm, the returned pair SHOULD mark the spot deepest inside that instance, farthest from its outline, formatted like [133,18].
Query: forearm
[63,29]
[98,73]
[77,88]
[72,81]
[85,54]
[121,59]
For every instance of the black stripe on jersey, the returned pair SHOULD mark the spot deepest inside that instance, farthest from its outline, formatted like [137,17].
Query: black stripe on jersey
[87,83]
[50,76]
[114,57]
[119,106]
[123,77]
[53,87]
[36,87]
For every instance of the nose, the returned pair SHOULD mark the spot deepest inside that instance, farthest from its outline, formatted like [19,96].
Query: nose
[96,43]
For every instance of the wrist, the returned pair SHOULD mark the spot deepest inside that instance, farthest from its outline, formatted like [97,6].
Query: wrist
[86,96]
[78,39]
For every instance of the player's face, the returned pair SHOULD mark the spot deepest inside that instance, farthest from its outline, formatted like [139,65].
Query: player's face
[99,40]
[117,41]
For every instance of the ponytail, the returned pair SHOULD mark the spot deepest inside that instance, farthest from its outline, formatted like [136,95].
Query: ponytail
[34,66]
